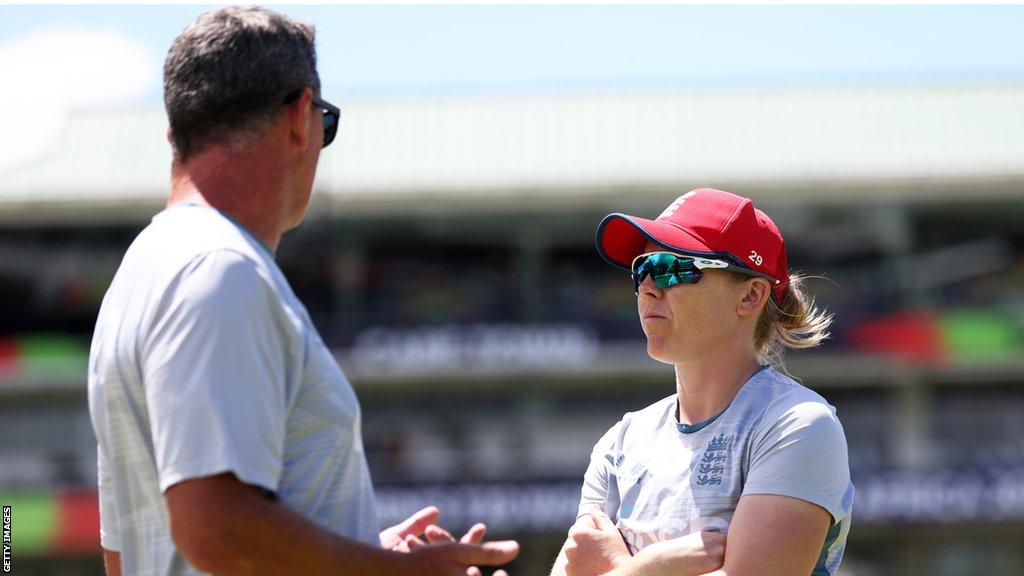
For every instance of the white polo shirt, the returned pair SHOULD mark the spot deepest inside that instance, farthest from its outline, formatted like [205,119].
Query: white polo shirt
[205,362]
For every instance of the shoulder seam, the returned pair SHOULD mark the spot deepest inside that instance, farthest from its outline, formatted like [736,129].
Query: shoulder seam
[147,324]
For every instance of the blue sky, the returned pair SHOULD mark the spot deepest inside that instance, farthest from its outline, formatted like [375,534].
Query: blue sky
[62,58]
[399,50]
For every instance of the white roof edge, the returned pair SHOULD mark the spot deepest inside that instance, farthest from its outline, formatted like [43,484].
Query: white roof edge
[809,143]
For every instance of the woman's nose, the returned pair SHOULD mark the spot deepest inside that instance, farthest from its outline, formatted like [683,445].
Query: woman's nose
[649,288]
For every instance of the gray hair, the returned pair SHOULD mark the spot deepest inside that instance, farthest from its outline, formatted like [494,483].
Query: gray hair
[229,72]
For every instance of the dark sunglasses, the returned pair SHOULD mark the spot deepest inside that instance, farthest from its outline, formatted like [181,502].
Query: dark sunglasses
[331,115]
[667,269]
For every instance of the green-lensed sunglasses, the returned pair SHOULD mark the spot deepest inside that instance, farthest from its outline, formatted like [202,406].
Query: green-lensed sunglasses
[667,269]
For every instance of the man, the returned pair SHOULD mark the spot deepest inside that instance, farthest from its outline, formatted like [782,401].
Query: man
[229,439]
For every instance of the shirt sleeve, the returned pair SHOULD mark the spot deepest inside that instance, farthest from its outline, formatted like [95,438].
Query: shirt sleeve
[801,452]
[109,532]
[597,480]
[214,371]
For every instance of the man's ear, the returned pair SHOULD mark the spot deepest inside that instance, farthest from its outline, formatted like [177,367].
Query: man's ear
[297,119]
[756,292]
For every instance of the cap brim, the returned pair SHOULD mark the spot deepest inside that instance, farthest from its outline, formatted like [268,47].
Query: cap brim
[621,238]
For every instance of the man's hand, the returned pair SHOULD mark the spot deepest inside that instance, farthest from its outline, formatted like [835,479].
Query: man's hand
[438,535]
[460,559]
[394,538]
[595,549]
[223,526]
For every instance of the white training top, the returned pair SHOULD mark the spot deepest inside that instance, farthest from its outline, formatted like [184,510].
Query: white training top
[205,362]
[658,479]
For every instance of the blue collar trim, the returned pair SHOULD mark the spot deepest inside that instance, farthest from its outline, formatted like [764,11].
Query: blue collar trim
[691,428]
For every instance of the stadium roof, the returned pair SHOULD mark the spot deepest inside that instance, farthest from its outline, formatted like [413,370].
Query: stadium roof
[896,142]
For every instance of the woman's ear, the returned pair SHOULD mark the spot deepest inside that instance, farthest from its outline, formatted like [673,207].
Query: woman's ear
[756,292]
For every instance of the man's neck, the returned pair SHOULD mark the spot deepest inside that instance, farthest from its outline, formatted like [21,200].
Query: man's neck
[249,192]
[706,386]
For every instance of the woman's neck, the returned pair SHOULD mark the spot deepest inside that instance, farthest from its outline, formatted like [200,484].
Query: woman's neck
[706,387]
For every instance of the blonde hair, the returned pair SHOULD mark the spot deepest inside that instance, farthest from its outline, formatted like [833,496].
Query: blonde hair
[793,323]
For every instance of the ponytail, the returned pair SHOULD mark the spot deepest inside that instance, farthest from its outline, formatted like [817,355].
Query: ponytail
[793,323]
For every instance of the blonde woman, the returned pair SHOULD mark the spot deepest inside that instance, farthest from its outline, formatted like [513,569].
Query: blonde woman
[742,471]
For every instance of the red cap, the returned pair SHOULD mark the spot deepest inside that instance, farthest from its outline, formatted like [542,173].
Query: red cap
[703,222]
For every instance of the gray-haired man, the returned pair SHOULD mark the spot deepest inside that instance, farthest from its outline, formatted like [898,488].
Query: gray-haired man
[229,439]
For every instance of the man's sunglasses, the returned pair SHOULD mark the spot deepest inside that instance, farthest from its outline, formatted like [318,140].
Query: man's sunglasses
[331,115]
[667,269]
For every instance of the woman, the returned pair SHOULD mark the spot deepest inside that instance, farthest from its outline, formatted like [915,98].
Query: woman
[740,448]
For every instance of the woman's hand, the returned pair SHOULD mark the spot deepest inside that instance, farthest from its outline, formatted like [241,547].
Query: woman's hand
[696,553]
[594,549]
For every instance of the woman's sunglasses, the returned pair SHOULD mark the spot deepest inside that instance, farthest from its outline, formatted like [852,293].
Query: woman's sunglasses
[667,269]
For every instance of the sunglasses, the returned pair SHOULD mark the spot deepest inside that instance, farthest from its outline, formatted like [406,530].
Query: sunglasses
[667,269]
[331,115]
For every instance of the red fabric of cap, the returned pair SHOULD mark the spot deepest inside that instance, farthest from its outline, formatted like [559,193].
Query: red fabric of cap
[703,222]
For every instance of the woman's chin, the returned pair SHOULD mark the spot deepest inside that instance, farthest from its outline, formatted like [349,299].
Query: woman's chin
[657,350]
